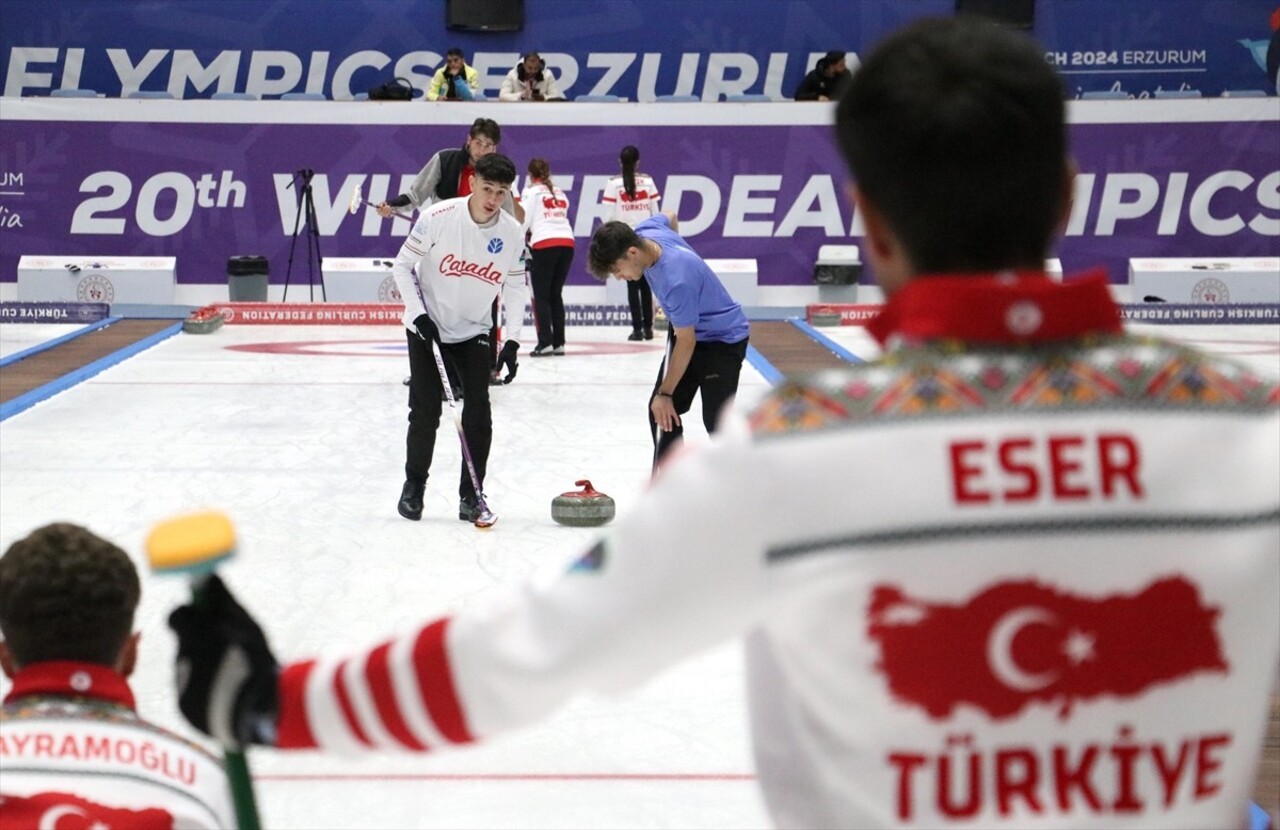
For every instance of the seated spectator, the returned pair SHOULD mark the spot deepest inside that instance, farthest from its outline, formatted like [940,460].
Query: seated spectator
[530,80]
[827,80]
[67,603]
[455,81]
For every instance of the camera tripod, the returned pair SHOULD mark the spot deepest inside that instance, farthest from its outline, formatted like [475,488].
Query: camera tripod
[308,206]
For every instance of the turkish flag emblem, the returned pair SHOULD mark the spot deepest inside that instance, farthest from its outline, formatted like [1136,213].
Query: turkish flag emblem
[64,811]
[1015,643]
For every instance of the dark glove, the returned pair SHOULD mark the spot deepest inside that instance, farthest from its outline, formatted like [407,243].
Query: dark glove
[226,674]
[507,357]
[426,328]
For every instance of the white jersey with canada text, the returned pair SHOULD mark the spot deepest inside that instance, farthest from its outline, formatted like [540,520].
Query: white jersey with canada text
[452,268]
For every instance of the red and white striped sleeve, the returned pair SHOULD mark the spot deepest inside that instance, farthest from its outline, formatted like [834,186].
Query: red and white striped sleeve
[398,695]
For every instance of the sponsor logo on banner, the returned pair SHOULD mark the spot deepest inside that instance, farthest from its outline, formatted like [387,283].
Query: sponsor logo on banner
[11,185]
[95,288]
[388,293]
[1216,314]
[1210,290]
[1019,643]
[326,314]
[53,312]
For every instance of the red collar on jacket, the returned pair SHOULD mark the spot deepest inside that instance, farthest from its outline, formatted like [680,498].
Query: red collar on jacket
[65,678]
[1009,307]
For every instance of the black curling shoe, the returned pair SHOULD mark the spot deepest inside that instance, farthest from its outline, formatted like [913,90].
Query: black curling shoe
[410,505]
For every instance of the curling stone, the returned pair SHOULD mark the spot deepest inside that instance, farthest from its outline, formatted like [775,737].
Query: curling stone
[203,321]
[587,507]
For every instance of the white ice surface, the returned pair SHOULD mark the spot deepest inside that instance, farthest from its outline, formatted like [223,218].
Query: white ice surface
[18,337]
[301,442]
[300,439]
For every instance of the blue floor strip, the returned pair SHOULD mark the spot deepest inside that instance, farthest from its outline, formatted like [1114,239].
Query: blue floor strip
[57,341]
[826,342]
[53,387]
[763,366]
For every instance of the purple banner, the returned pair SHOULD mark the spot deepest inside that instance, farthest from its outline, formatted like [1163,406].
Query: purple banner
[1198,178]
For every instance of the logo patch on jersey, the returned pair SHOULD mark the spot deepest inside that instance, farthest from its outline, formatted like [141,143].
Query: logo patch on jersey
[1017,643]
[495,245]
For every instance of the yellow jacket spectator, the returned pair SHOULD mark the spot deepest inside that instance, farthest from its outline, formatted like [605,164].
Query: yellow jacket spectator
[455,81]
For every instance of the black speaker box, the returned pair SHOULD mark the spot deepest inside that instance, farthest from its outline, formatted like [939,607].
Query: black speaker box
[1016,14]
[484,15]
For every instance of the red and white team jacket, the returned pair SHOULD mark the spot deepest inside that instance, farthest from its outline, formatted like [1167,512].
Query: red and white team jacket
[72,748]
[631,209]
[453,268]
[546,216]
[1021,572]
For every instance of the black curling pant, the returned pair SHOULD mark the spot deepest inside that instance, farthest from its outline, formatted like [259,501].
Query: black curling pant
[469,361]
[640,298]
[548,271]
[713,372]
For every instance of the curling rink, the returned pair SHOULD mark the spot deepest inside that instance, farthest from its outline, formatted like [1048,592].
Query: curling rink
[298,434]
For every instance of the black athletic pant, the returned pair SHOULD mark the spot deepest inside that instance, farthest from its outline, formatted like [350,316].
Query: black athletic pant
[470,360]
[548,270]
[713,371]
[640,298]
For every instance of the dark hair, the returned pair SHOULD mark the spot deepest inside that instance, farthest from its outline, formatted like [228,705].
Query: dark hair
[522,75]
[629,157]
[66,594]
[608,245]
[539,169]
[488,128]
[954,129]
[832,58]
[495,168]
[454,52]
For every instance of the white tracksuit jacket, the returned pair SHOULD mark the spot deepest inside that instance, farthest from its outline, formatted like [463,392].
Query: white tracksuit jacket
[72,747]
[454,268]
[1021,572]
[631,209]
